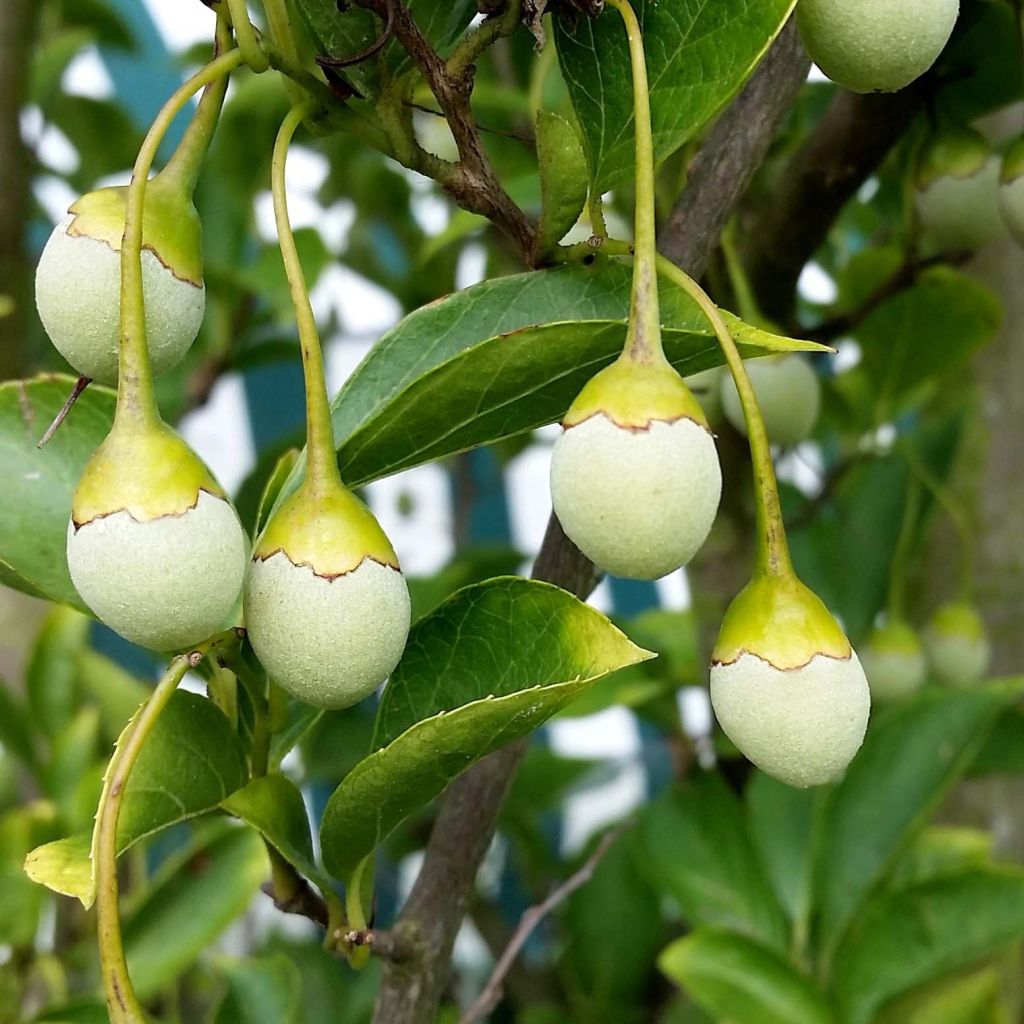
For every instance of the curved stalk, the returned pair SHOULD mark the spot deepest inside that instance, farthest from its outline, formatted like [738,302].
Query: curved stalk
[643,340]
[279,23]
[772,547]
[184,164]
[248,42]
[322,473]
[135,396]
[896,603]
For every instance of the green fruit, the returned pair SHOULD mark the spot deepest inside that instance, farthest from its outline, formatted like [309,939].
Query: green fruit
[635,477]
[876,45]
[786,686]
[957,191]
[326,605]
[1011,190]
[154,548]
[78,280]
[788,393]
[957,644]
[894,661]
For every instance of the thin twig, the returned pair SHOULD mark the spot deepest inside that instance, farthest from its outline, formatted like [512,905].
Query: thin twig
[80,385]
[491,994]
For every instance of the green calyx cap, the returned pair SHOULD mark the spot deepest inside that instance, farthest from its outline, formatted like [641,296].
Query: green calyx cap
[1013,163]
[147,471]
[958,153]
[896,637]
[633,395]
[331,532]
[960,620]
[782,622]
[171,229]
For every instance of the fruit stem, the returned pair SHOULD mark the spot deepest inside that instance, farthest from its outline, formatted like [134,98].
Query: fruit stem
[279,23]
[896,603]
[182,170]
[643,340]
[248,43]
[136,399]
[122,1002]
[958,516]
[772,558]
[322,475]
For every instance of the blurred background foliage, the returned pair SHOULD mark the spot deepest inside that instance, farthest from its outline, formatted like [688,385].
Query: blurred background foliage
[895,895]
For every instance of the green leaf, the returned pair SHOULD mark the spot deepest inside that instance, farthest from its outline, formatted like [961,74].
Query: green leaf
[942,850]
[975,998]
[735,978]
[273,806]
[781,820]
[699,852]
[115,692]
[912,756]
[929,330]
[37,504]
[17,735]
[564,179]
[1003,750]
[53,668]
[196,896]
[191,761]
[74,751]
[490,665]
[260,991]
[501,358]
[904,939]
[699,55]
[282,469]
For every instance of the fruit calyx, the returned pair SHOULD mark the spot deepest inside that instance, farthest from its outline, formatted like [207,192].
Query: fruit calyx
[328,530]
[633,395]
[896,636]
[781,621]
[145,470]
[958,619]
[956,153]
[171,229]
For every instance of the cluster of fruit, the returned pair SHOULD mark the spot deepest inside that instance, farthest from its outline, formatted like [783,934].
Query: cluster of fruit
[953,647]
[157,552]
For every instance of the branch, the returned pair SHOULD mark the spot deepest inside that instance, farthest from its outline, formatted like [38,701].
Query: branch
[721,172]
[849,143]
[472,182]
[469,810]
[491,994]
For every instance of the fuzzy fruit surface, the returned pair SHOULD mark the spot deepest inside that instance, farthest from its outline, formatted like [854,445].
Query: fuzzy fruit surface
[78,282]
[328,641]
[876,45]
[789,395]
[786,686]
[801,726]
[638,502]
[163,583]
[962,212]
[894,661]
[957,645]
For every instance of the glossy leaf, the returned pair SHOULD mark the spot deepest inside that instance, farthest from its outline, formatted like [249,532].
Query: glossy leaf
[39,483]
[735,978]
[273,806]
[699,852]
[926,331]
[195,896]
[904,939]
[698,56]
[260,991]
[501,358]
[781,821]
[488,666]
[563,178]
[908,762]
[191,761]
